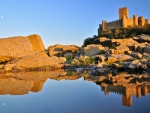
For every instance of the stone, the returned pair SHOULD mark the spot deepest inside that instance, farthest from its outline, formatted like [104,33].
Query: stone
[1,66]
[140,48]
[127,41]
[146,49]
[101,65]
[100,71]
[60,50]
[136,55]
[9,67]
[105,42]
[143,61]
[92,50]
[119,58]
[117,66]
[19,46]
[99,58]
[36,42]
[39,60]
[142,38]
[134,65]
[111,59]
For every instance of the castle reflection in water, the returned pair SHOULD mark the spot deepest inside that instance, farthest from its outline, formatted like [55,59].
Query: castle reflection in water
[124,84]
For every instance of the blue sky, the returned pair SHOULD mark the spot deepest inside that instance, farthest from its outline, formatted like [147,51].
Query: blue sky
[62,21]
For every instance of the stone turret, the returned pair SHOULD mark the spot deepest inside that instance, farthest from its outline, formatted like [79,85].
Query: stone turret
[141,21]
[103,25]
[135,20]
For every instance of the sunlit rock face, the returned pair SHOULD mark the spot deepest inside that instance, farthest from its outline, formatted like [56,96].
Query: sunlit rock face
[91,50]
[61,50]
[19,46]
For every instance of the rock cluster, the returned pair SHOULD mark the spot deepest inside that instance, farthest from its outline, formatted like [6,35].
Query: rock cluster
[60,50]
[26,53]
[115,54]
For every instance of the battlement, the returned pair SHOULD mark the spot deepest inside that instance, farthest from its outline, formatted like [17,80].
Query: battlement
[123,8]
[113,21]
[123,12]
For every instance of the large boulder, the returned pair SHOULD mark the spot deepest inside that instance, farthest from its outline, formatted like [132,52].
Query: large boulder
[61,50]
[119,58]
[39,60]
[91,50]
[128,41]
[142,38]
[19,46]
[36,42]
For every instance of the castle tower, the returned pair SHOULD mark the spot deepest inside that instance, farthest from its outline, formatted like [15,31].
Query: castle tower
[135,20]
[103,25]
[138,92]
[141,21]
[127,101]
[146,21]
[123,11]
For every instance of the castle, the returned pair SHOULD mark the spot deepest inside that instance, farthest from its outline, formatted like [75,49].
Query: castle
[124,21]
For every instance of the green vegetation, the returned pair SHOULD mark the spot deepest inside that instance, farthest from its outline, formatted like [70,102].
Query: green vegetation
[83,61]
[69,57]
[119,33]
[129,32]
[102,52]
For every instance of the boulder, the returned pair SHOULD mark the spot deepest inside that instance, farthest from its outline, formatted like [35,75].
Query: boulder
[19,46]
[128,41]
[103,41]
[134,66]
[100,71]
[91,50]
[142,38]
[146,49]
[99,58]
[60,50]
[117,66]
[119,58]
[36,42]
[136,55]
[101,65]
[39,60]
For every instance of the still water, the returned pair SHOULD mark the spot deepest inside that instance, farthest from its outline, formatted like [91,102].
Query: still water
[50,92]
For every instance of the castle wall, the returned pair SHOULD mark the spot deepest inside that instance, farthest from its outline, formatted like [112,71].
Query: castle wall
[127,22]
[114,24]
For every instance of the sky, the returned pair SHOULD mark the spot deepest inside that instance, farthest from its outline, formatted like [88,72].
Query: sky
[63,21]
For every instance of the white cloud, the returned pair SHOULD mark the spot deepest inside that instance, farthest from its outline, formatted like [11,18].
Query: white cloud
[2,16]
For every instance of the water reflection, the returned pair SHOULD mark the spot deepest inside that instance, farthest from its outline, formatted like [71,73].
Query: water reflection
[122,84]
[23,83]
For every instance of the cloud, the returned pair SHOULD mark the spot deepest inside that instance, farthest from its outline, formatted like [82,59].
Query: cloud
[2,16]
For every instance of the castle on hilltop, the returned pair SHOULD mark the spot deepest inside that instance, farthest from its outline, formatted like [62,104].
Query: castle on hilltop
[124,21]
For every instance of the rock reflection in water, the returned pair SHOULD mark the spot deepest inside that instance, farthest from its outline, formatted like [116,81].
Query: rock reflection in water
[23,83]
[123,84]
